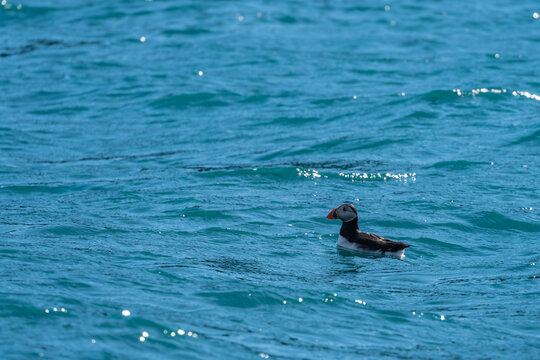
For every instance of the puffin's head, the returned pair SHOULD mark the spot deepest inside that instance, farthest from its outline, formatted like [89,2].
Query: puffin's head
[345,213]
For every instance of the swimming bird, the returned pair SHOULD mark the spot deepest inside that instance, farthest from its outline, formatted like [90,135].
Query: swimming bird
[351,238]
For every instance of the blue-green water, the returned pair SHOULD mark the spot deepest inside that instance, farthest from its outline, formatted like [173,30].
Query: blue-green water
[177,159]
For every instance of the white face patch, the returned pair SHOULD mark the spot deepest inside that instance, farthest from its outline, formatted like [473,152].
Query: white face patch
[346,213]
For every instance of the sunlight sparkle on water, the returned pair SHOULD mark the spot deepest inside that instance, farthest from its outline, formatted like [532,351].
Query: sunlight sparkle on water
[365,176]
[126,313]
[478,91]
[526,94]
[309,173]
[8,6]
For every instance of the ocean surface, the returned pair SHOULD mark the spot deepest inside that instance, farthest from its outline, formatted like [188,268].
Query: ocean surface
[166,168]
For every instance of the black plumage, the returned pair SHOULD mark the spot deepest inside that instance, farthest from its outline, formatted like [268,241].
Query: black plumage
[350,231]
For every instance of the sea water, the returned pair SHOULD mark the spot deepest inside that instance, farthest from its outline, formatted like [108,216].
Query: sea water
[166,168]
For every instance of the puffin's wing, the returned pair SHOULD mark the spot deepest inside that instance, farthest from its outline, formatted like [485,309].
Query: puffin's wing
[377,242]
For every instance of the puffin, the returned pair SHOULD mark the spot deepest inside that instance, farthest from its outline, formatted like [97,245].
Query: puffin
[351,238]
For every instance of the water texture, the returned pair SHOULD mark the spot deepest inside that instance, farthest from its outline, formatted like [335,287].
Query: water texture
[166,168]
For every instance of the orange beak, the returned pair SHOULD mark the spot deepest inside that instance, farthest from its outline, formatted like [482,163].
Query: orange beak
[332,215]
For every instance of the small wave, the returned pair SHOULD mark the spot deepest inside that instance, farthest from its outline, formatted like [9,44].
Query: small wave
[206,214]
[113,157]
[292,173]
[26,9]
[40,188]
[330,101]
[457,164]
[343,165]
[496,221]
[67,230]
[183,101]
[440,246]
[529,138]
[290,20]
[242,299]
[363,8]
[37,44]
[340,145]
[485,91]
[293,120]
[490,93]
[255,99]
[191,31]
[356,176]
